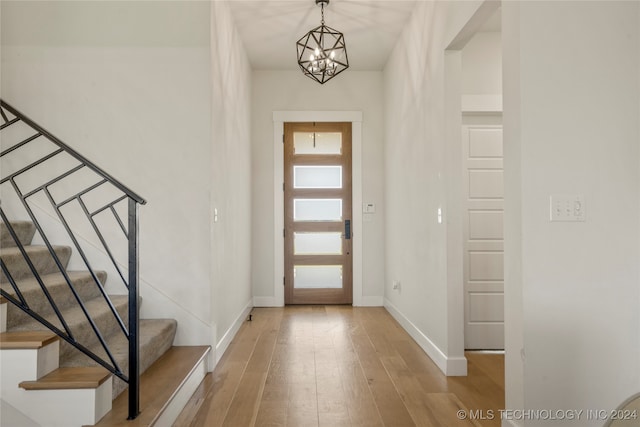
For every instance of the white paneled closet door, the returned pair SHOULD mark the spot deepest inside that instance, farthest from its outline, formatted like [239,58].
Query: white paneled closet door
[483,233]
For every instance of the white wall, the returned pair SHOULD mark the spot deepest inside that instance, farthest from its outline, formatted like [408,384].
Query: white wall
[126,84]
[417,166]
[156,93]
[482,64]
[230,178]
[292,91]
[572,102]
[481,82]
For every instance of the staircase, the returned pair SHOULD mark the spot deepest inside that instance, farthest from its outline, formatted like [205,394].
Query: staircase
[58,366]
[73,350]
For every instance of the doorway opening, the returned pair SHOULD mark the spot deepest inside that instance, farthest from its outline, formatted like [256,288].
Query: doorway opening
[473,108]
[483,187]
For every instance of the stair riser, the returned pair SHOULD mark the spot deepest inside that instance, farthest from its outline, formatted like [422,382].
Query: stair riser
[4,306]
[65,408]
[23,229]
[60,293]
[27,364]
[40,258]
[62,406]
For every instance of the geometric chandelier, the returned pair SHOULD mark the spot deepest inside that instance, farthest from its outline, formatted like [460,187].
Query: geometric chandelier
[322,53]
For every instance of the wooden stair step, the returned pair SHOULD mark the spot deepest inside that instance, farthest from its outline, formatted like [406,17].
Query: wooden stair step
[158,385]
[26,340]
[69,378]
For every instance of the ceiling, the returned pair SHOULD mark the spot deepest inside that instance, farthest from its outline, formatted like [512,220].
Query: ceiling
[270,28]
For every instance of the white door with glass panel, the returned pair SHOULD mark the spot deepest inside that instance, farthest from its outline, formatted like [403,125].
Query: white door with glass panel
[317,198]
[483,237]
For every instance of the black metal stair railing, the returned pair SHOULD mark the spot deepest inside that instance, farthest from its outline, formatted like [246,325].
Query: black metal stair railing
[34,150]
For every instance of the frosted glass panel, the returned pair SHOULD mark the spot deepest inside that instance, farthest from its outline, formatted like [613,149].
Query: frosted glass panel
[317,209]
[317,243]
[317,276]
[317,176]
[324,143]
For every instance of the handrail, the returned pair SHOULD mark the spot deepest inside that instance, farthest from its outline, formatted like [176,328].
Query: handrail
[73,153]
[129,227]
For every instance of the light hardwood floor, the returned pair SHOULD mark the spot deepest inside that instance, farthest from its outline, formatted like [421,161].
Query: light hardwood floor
[339,366]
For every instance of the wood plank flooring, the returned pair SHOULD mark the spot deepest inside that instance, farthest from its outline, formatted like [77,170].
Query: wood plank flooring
[339,366]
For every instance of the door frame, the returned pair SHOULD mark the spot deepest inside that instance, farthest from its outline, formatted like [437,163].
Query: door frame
[279,119]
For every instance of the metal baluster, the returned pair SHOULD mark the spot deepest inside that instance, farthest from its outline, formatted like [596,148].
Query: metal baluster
[134,339]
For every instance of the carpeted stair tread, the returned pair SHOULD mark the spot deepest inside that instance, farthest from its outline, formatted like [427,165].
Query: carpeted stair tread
[80,327]
[40,257]
[59,290]
[156,337]
[23,229]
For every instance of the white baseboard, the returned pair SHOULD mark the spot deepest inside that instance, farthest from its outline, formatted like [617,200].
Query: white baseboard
[450,366]
[456,367]
[222,346]
[371,302]
[364,302]
[265,302]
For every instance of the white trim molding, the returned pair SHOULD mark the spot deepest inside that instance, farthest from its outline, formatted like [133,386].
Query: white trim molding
[481,104]
[450,366]
[279,118]
[265,302]
[369,301]
[228,336]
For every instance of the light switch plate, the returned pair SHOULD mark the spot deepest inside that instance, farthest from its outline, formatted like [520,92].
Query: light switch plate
[564,207]
[368,208]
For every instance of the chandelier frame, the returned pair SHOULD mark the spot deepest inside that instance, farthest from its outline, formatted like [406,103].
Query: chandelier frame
[322,52]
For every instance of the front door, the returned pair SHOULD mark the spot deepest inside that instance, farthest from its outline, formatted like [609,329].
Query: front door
[317,209]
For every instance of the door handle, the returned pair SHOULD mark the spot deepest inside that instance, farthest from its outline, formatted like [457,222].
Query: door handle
[347,229]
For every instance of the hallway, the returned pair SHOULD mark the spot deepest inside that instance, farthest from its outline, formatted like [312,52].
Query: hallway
[338,366]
